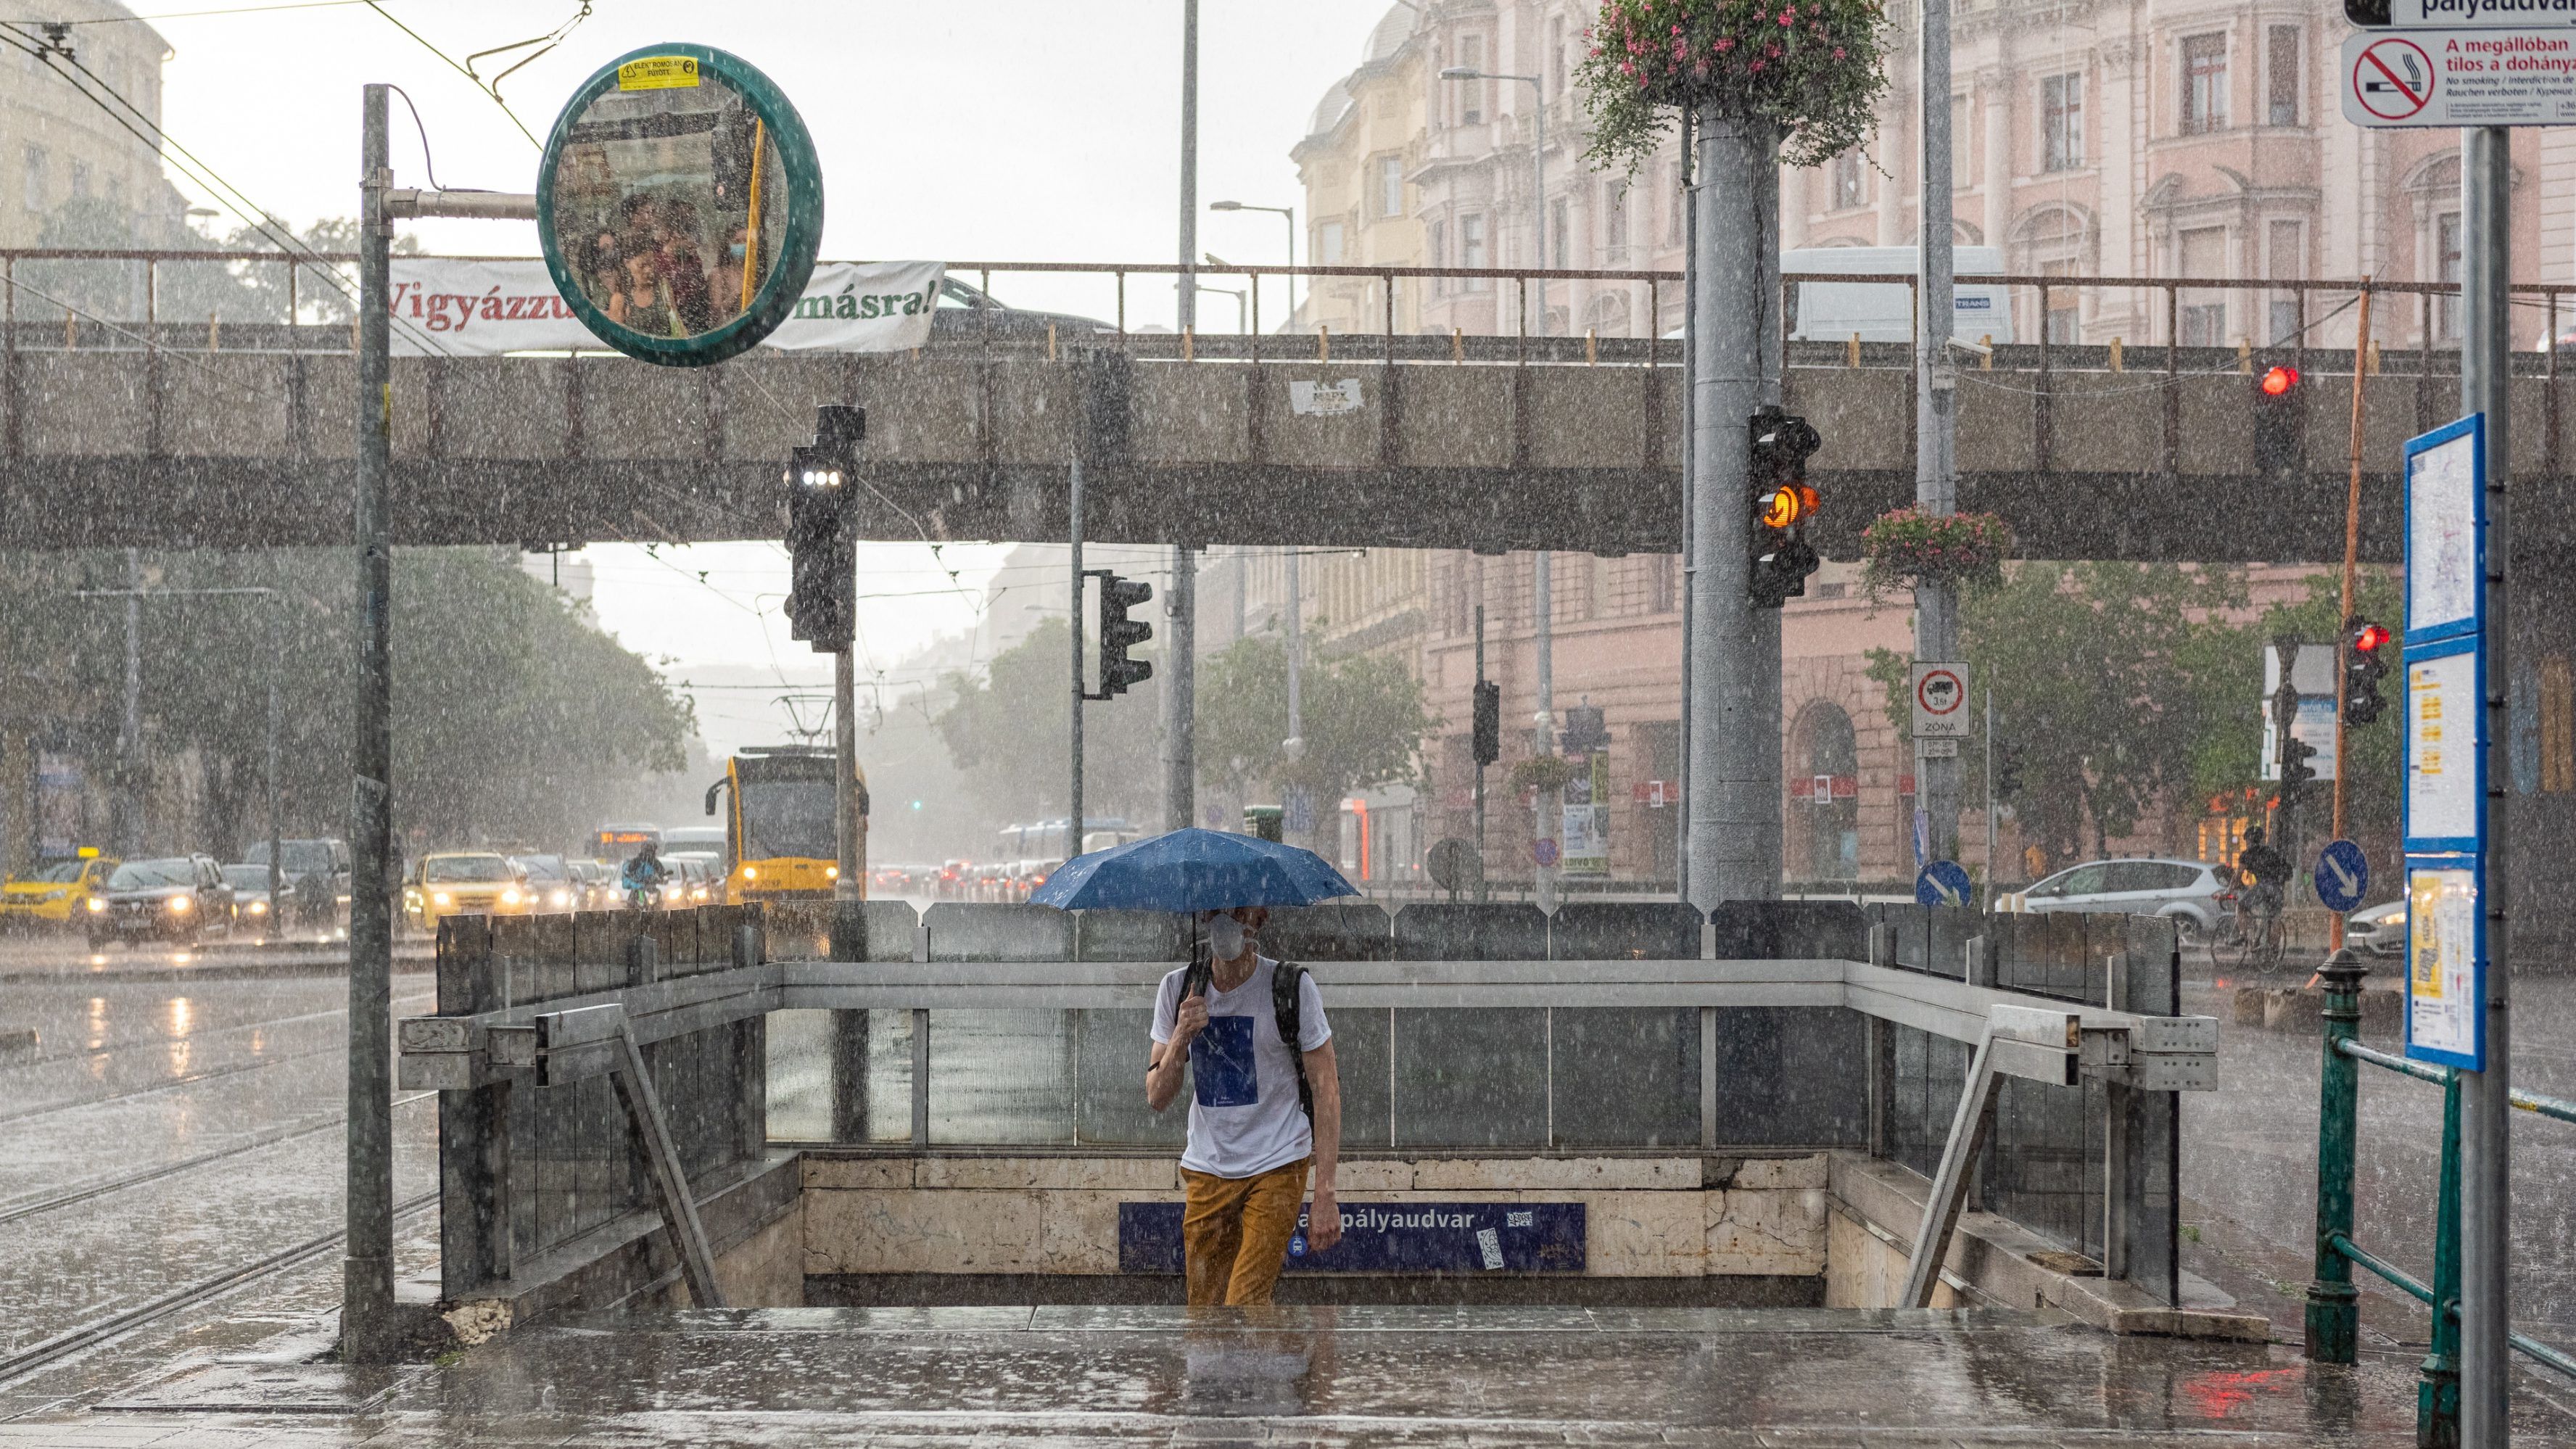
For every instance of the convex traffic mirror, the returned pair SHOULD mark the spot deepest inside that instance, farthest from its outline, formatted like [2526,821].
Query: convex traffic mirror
[680,205]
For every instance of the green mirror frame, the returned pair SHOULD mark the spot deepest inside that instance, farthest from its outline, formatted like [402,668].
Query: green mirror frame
[798,246]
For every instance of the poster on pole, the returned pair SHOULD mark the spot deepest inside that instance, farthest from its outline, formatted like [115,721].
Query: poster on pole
[2443,802]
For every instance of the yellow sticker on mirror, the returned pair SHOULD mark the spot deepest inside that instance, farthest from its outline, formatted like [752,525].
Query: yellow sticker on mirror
[658,73]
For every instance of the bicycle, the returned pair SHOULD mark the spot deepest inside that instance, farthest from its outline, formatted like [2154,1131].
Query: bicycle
[2251,936]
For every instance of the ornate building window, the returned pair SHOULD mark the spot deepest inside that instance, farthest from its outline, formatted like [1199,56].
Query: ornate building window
[2061,123]
[2204,84]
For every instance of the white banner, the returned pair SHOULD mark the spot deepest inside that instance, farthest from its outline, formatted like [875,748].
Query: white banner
[448,308]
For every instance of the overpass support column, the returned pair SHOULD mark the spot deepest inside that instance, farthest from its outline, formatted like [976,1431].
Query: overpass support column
[1180,691]
[1732,790]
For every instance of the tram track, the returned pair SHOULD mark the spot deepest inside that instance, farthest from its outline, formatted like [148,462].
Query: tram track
[55,1202]
[115,1325]
[185,1080]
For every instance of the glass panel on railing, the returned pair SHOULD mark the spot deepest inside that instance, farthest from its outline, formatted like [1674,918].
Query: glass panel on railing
[1783,1079]
[964,931]
[1110,1049]
[800,1076]
[1626,1077]
[1470,1076]
[999,1077]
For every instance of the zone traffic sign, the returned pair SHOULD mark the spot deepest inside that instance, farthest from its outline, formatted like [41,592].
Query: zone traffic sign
[1940,701]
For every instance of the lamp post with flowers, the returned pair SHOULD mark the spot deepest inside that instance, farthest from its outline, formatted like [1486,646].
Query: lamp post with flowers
[1766,82]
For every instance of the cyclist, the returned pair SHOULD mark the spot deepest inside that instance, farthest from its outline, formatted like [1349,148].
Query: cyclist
[2267,868]
[644,873]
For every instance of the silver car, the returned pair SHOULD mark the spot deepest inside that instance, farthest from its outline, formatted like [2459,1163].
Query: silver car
[2192,893]
[2378,930]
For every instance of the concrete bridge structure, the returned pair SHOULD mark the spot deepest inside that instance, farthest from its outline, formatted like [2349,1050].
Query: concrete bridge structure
[1486,443]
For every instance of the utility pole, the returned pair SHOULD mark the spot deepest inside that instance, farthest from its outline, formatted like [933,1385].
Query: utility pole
[129,742]
[367,1329]
[1180,681]
[2486,1249]
[1481,891]
[1690,477]
[2351,580]
[1731,790]
[1294,747]
[276,720]
[1073,533]
[1549,804]
[1936,408]
[1991,877]
[847,884]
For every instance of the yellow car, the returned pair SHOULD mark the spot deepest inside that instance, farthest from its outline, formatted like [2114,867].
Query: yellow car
[52,897]
[464,883]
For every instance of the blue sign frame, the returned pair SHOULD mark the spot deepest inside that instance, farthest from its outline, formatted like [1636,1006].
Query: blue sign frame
[2426,642]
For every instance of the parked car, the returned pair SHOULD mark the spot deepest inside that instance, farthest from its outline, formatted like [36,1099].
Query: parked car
[2378,930]
[181,898]
[252,905]
[55,896]
[463,883]
[2191,893]
[551,886]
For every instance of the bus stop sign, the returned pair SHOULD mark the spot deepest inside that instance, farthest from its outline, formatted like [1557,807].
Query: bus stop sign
[680,205]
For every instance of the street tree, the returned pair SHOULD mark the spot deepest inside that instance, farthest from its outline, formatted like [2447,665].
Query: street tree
[1006,732]
[1363,717]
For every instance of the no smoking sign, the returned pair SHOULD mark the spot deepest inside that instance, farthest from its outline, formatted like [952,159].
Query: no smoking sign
[1940,701]
[2392,79]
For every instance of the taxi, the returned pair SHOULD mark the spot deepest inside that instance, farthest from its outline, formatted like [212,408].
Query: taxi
[52,897]
[464,883]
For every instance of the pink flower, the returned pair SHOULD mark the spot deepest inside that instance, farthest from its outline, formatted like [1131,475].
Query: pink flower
[1757,67]
[1789,16]
[1838,52]
[1700,69]
[1725,43]
[1773,52]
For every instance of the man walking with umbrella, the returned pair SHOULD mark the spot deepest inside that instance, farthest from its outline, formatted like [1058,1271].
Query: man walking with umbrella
[1249,1034]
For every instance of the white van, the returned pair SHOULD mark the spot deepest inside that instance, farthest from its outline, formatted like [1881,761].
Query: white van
[1833,311]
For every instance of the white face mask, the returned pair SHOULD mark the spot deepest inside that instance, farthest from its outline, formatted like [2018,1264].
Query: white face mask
[1225,938]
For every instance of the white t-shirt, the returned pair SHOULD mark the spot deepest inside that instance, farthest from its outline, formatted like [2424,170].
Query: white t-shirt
[1244,1117]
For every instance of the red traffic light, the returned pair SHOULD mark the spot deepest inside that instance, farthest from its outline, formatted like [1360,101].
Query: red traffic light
[2278,381]
[2368,638]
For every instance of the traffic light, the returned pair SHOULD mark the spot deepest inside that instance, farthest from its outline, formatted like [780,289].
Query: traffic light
[1118,633]
[820,478]
[1585,730]
[1488,722]
[2280,424]
[2365,663]
[2008,772]
[1782,504]
[2296,772]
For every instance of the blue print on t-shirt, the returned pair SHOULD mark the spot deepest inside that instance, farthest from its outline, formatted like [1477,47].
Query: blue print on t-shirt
[1221,1063]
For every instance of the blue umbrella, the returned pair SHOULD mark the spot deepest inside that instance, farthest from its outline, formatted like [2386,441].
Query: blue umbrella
[1192,870]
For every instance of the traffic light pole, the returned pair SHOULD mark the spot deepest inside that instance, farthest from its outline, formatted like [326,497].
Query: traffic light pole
[1936,408]
[1731,786]
[2351,571]
[1180,678]
[1073,533]
[2485,1141]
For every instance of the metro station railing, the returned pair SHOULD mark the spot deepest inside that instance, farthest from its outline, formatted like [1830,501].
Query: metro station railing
[2334,1306]
[1605,1028]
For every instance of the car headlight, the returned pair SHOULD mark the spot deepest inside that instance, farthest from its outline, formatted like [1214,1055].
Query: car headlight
[97,905]
[562,898]
[751,872]
[259,908]
[442,898]
[831,872]
[182,904]
[510,896]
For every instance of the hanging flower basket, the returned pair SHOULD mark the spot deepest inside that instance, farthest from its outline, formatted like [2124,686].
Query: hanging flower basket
[1812,70]
[1909,547]
[1542,772]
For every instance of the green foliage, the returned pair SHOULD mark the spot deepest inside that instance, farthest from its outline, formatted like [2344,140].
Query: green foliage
[512,712]
[1363,716]
[1810,70]
[2114,684]
[1006,732]
[186,291]
[1542,772]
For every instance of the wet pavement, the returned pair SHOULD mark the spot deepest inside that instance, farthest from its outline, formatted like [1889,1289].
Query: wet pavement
[1355,1376]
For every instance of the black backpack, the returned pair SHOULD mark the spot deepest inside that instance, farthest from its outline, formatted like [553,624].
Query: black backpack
[1286,1006]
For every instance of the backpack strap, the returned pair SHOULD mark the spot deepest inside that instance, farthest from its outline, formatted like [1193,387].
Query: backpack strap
[1286,1005]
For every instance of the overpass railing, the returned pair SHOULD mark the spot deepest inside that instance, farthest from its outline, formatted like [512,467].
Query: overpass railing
[1605,1028]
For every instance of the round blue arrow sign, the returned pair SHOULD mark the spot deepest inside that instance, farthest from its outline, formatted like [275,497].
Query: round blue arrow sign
[2343,876]
[1943,883]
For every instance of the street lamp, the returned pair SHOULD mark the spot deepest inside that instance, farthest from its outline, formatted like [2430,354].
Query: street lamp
[1290,213]
[1538,172]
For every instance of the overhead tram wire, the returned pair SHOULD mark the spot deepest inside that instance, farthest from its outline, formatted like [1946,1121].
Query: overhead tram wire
[194,14]
[256,216]
[465,67]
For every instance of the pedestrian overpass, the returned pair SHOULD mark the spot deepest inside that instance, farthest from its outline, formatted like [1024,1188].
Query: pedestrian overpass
[159,434]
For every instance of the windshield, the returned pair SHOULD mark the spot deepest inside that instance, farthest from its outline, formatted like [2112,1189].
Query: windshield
[296,857]
[465,869]
[246,877]
[61,872]
[146,874]
[543,867]
[788,818]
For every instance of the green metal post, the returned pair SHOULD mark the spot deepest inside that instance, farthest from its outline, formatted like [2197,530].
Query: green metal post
[2334,1309]
[2437,1397]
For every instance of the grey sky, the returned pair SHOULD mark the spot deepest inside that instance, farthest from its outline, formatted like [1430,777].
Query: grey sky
[998,130]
